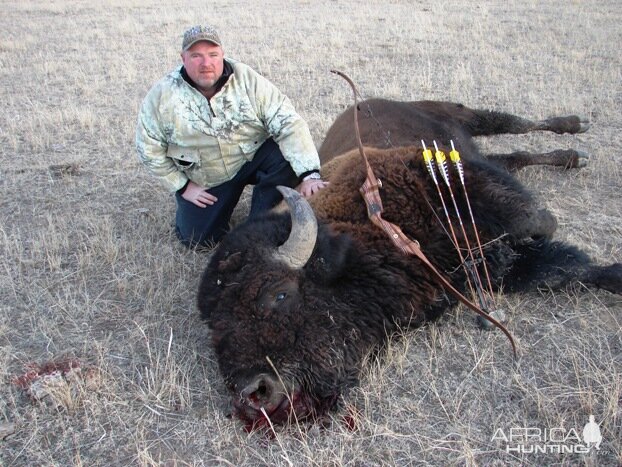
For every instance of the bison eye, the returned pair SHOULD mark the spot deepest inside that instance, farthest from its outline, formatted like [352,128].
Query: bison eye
[281,296]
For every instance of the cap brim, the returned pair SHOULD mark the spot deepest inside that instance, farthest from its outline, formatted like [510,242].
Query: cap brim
[200,40]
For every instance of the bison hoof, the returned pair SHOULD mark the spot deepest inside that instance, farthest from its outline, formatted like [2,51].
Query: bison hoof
[582,159]
[584,125]
[499,315]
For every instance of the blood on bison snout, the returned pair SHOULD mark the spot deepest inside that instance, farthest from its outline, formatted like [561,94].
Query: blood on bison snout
[263,400]
[263,391]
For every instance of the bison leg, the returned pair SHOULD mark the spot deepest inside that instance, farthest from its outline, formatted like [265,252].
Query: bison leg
[486,122]
[607,277]
[566,158]
[552,264]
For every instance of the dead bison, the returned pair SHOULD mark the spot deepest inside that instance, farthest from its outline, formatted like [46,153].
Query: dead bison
[295,303]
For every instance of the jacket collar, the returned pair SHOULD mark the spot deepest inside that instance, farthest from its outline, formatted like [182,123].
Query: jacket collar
[227,71]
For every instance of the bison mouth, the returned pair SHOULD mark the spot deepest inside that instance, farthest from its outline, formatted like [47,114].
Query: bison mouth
[263,403]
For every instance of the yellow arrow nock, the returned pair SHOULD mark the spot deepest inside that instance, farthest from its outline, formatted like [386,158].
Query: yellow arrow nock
[440,157]
[454,155]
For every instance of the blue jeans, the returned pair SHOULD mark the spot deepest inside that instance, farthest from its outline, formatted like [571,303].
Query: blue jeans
[267,170]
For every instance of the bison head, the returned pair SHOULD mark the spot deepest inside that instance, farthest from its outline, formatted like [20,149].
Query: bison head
[287,337]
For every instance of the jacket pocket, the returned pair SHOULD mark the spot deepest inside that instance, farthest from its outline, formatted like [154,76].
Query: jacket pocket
[184,158]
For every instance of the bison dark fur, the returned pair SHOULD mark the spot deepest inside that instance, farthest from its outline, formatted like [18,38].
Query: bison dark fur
[289,339]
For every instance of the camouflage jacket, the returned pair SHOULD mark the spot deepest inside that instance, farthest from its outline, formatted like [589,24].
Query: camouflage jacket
[181,135]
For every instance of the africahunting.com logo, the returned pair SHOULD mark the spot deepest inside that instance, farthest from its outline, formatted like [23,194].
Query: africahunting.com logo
[529,440]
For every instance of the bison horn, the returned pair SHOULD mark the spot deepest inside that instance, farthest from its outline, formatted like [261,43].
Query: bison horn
[297,249]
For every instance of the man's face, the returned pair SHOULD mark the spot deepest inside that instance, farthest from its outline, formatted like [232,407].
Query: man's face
[204,64]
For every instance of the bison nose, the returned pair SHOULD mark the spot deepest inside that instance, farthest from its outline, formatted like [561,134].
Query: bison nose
[264,391]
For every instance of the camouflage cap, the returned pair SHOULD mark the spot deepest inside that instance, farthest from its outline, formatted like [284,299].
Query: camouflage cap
[200,33]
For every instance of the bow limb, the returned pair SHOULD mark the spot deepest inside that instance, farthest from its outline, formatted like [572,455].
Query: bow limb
[463,299]
[411,247]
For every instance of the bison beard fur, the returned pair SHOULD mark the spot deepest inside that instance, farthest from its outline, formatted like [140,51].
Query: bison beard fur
[290,340]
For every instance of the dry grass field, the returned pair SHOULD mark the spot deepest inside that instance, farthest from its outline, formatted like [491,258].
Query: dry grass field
[94,284]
